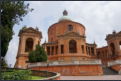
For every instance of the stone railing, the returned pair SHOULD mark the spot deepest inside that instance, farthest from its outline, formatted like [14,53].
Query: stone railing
[114,62]
[51,75]
[73,62]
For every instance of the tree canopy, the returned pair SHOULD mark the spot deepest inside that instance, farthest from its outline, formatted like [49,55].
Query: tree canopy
[37,55]
[11,13]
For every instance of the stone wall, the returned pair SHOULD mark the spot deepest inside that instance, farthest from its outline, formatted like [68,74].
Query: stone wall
[116,67]
[70,68]
[51,75]
[115,64]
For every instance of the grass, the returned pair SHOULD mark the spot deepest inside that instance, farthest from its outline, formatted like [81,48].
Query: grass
[37,78]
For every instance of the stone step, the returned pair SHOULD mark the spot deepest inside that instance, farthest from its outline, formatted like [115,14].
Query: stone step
[109,71]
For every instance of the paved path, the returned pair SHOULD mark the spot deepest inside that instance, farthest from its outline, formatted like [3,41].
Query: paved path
[104,77]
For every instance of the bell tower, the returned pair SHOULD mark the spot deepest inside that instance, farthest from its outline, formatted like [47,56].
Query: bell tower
[28,38]
[114,44]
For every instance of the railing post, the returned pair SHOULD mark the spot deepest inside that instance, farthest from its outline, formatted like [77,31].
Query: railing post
[31,74]
[21,74]
[4,73]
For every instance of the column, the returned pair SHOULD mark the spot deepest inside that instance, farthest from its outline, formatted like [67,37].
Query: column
[50,50]
[78,46]
[87,51]
[90,50]
[45,48]
[34,43]
[59,48]
[23,42]
[110,53]
[67,44]
[95,51]
[84,49]
[19,47]
[117,47]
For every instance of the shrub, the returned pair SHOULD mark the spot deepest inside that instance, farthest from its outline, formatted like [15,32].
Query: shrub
[15,75]
[37,55]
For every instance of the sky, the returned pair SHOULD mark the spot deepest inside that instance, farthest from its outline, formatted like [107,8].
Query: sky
[100,18]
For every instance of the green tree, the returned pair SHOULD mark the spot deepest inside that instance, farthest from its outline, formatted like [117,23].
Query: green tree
[11,13]
[4,62]
[37,55]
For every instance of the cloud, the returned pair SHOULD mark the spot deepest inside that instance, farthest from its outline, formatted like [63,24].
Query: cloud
[12,51]
[98,17]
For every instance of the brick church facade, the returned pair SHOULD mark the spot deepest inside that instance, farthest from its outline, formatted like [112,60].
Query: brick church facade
[67,41]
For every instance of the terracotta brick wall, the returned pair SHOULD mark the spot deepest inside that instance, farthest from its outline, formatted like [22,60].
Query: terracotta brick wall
[73,70]
[116,67]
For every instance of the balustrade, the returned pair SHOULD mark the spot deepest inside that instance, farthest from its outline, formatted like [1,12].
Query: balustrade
[66,62]
[114,62]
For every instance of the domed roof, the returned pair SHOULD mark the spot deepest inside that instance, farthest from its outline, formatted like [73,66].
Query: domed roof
[65,16]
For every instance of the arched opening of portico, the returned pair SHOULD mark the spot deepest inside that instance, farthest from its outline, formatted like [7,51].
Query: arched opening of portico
[112,48]
[106,52]
[29,45]
[103,55]
[98,54]
[62,49]
[72,46]
[48,50]
[82,47]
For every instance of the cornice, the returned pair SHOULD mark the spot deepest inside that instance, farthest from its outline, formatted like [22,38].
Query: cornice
[25,31]
[113,35]
[77,35]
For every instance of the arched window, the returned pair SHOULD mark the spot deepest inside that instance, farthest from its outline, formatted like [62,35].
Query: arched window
[29,45]
[106,53]
[120,44]
[72,46]
[112,48]
[103,54]
[70,27]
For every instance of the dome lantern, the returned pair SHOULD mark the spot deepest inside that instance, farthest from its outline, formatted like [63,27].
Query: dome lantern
[65,13]
[65,16]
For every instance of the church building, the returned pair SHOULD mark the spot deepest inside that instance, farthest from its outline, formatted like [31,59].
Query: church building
[67,41]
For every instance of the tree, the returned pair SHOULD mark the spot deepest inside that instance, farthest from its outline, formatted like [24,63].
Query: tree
[4,62]
[37,55]
[11,13]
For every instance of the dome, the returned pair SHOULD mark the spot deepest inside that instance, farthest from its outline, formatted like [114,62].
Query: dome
[65,16]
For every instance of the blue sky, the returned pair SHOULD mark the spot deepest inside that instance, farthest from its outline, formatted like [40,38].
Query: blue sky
[98,17]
